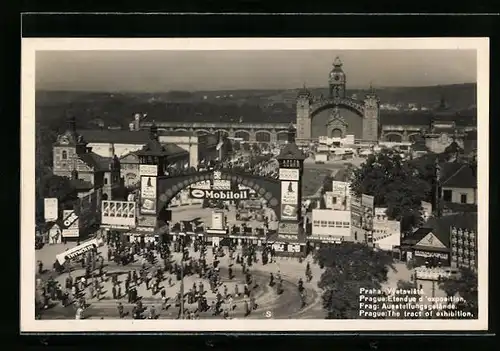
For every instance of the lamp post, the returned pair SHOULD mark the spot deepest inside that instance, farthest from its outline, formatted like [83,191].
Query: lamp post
[182,287]
[182,278]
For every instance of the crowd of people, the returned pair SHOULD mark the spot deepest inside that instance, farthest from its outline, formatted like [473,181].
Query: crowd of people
[158,272]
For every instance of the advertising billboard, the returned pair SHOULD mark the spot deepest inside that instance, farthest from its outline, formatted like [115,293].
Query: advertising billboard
[328,200]
[148,170]
[118,213]
[50,209]
[219,194]
[146,221]
[217,220]
[148,195]
[289,200]
[219,183]
[77,251]
[70,224]
[368,207]
[356,211]
[340,189]
[204,184]
[289,174]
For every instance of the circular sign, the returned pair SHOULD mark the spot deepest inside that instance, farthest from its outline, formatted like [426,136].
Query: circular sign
[197,193]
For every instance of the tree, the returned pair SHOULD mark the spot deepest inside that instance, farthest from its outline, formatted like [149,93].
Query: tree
[395,184]
[348,268]
[466,287]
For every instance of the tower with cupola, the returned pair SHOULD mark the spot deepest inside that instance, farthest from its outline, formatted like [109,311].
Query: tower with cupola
[304,100]
[371,116]
[337,80]
[67,148]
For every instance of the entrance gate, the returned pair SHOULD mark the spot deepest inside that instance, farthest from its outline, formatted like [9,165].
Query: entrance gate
[265,187]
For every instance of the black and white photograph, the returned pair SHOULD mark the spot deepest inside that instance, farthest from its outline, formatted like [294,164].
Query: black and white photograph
[225,184]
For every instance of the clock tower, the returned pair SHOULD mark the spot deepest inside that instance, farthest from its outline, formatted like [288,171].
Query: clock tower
[337,80]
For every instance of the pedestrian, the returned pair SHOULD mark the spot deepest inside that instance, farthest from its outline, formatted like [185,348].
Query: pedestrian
[120,309]
[91,291]
[152,312]
[113,292]
[119,291]
[79,313]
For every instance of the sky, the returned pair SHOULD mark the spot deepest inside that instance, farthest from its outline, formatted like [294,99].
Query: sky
[161,71]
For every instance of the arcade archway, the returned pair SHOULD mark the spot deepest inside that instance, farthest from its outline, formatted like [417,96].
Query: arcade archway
[336,118]
[263,137]
[242,134]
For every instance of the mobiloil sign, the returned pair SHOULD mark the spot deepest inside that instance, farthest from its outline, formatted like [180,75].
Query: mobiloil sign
[219,194]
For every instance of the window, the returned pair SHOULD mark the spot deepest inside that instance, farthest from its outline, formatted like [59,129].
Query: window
[316,223]
[463,198]
[323,223]
[355,235]
[334,200]
[345,224]
[447,195]
[64,155]
[338,224]
[105,180]
[331,224]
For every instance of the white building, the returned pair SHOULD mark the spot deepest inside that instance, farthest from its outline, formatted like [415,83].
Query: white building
[331,224]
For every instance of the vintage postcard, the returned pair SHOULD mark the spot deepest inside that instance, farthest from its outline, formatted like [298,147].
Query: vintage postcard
[254,184]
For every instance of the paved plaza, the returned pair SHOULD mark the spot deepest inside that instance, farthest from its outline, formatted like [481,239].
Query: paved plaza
[269,303]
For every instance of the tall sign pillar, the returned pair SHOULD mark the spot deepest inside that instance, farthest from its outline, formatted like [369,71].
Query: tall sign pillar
[153,160]
[291,167]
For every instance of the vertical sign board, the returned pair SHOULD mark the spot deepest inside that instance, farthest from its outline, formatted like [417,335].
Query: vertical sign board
[368,207]
[70,224]
[148,195]
[356,212]
[217,220]
[289,200]
[50,209]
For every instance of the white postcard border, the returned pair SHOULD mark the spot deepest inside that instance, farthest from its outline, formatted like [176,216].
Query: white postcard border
[28,262]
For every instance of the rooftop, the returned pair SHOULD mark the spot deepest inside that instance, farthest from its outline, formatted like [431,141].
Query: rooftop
[173,149]
[425,118]
[464,177]
[95,161]
[420,233]
[114,136]
[441,226]
[80,184]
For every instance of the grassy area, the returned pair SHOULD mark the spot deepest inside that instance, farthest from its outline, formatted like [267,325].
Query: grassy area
[313,179]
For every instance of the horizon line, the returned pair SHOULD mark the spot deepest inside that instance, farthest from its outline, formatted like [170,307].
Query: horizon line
[248,89]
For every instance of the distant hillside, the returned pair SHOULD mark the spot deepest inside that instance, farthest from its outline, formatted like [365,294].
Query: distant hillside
[252,105]
[457,96]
